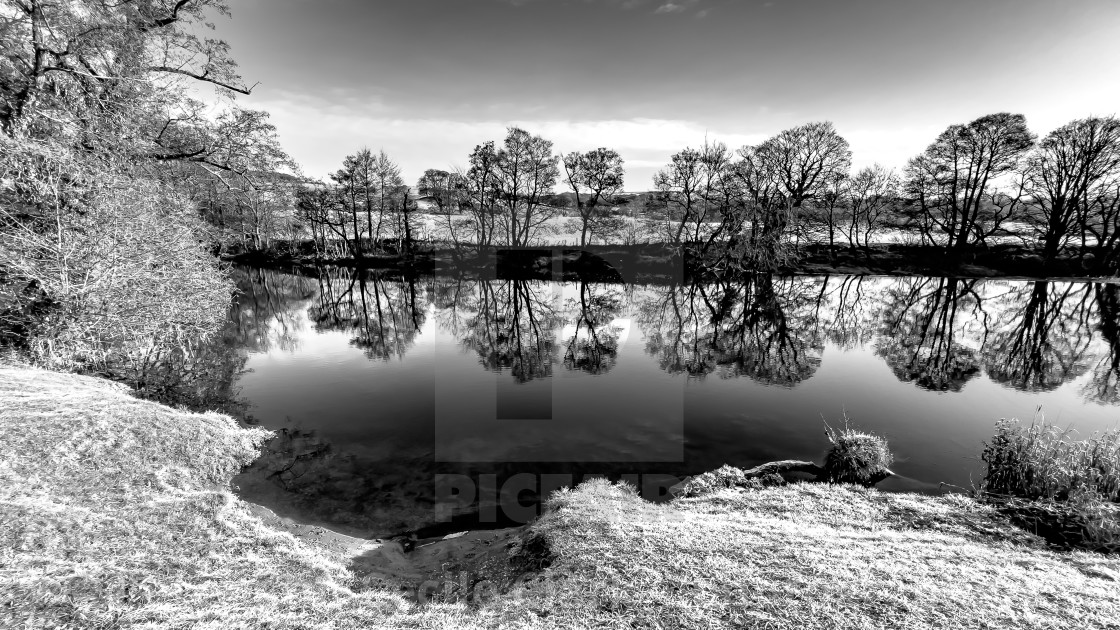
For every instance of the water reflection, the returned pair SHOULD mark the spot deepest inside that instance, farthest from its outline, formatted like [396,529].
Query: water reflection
[511,325]
[383,315]
[1104,384]
[1042,336]
[937,333]
[592,344]
[931,332]
[760,327]
[751,364]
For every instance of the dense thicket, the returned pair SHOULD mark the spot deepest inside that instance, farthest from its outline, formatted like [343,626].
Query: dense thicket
[110,162]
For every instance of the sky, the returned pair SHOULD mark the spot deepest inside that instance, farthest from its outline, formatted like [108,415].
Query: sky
[427,80]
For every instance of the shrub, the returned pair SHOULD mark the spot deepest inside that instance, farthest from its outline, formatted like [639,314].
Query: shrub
[98,262]
[856,457]
[1040,461]
[1064,489]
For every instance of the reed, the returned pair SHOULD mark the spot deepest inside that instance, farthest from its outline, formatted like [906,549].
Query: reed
[1041,461]
[1064,488]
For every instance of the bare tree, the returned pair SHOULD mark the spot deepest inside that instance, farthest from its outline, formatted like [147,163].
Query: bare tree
[830,204]
[802,160]
[524,172]
[681,185]
[1073,167]
[871,193]
[951,178]
[385,177]
[598,175]
[353,184]
[480,183]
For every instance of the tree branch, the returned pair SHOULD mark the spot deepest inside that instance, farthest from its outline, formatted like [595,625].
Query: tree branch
[203,77]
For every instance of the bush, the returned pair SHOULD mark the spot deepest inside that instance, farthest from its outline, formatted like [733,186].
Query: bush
[1064,489]
[856,457]
[1040,461]
[98,262]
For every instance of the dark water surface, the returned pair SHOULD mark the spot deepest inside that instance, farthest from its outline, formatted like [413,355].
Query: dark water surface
[403,403]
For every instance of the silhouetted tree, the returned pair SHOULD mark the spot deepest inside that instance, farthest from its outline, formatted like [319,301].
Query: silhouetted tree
[524,172]
[481,188]
[1072,167]
[951,180]
[871,193]
[595,177]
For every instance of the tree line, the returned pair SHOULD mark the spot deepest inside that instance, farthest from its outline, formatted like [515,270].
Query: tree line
[987,181]
[503,197]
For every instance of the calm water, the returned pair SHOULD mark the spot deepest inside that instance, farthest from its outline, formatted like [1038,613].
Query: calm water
[403,403]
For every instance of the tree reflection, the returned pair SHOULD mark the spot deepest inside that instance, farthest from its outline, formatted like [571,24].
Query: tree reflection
[384,316]
[1042,338]
[926,324]
[593,346]
[756,326]
[201,376]
[1104,383]
[844,313]
[511,325]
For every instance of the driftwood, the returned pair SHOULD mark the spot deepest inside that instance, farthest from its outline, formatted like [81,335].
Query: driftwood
[774,474]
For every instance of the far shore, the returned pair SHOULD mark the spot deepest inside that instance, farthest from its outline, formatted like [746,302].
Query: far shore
[656,264]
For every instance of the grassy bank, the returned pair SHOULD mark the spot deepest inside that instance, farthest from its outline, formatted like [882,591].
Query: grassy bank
[116,512]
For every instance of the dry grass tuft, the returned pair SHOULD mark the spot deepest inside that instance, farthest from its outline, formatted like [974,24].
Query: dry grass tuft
[856,457]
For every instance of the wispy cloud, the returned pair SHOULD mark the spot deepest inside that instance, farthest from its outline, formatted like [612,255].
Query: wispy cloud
[662,7]
[680,6]
[321,132]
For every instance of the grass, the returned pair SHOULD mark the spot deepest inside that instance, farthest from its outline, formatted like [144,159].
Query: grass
[811,556]
[115,512]
[1043,461]
[1064,488]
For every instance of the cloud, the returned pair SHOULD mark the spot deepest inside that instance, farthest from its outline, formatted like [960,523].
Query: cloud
[319,133]
[680,6]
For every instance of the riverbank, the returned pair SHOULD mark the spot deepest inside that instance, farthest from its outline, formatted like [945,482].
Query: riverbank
[655,264]
[117,512]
